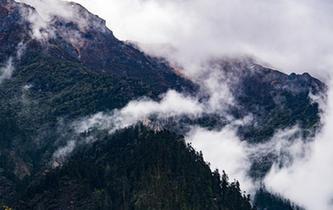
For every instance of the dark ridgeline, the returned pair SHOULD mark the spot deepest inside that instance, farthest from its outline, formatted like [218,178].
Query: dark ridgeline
[59,80]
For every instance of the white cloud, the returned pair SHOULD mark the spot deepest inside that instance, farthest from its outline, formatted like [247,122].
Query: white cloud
[46,10]
[62,153]
[288,34]
[308,181]
[7,70]
[286,145]
[223,150]
[173,104]
[42,17]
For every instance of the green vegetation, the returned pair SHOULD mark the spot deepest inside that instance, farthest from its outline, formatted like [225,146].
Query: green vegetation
[131,170]
[136,169]
[265,200]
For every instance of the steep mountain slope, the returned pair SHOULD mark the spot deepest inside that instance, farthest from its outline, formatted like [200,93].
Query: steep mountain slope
[81,69]
[84,39]
[51,83]
[276,100]
[134,169]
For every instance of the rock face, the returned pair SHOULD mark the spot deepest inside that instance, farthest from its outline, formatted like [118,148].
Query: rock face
[78,68]
[84,39]
[11,30]
[276,100]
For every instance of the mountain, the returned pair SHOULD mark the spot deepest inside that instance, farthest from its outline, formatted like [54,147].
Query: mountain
[56,81]
[276,101]
[135,169]
[81,69]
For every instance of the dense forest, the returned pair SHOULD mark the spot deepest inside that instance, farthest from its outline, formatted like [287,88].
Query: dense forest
[135,169]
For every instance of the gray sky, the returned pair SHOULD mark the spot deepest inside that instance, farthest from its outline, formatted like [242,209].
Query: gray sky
[293,35]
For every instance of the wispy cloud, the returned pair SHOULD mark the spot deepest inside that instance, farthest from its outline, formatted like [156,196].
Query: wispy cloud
[172,104]
[7,70]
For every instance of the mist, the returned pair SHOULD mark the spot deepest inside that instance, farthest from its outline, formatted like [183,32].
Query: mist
[7,70]
[172,105]
[308,181]
[45,12]
[224,151]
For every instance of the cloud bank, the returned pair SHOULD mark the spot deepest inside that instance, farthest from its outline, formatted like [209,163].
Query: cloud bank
[294,35]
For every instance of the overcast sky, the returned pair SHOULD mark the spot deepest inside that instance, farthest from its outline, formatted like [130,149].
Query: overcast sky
[292,35]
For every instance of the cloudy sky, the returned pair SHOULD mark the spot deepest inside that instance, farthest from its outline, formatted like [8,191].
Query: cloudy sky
[293,35]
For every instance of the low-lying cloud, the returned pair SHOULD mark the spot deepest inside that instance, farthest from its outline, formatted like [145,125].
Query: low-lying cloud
[172,104]
[46,10]
[41,19]
[225,151]
[7,70]
[308,181]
